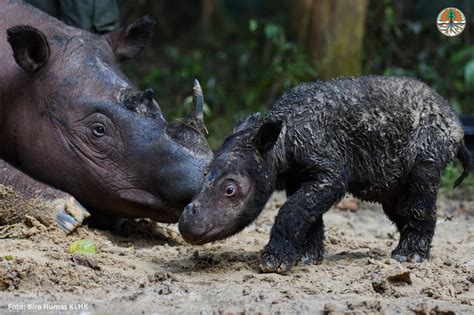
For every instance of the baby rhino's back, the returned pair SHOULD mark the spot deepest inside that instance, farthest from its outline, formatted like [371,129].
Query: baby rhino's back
[392,124]
[385,125]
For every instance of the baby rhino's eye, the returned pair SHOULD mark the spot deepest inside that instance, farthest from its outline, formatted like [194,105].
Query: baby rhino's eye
[230,190]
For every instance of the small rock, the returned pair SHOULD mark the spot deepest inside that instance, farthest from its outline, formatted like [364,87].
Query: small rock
[380,286]
[165,290]
[260,298]
[470,278]
[84,261]
[161,276]
[260,230]
[401,277]
[330,309]
[268,279]
[420,309]
[3,283]
[436,310]
[348,204]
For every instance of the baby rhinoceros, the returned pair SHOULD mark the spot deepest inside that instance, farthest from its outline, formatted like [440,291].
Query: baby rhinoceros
[383,139]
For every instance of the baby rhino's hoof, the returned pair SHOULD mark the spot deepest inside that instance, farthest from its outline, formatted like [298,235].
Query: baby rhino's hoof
[312,258]
[417,258]
[70,214]
[276,262]
[272,264]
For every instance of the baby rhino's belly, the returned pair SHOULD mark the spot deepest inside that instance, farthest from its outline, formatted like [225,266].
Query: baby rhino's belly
[374,178]
[376,192]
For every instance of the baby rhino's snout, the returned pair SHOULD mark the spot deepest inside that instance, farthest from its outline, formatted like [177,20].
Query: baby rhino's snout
[192,226]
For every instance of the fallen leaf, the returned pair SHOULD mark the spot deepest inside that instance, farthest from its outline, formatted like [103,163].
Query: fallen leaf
[83,247]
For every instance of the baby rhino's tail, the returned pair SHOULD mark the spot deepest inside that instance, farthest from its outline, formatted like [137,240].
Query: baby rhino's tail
[465,157]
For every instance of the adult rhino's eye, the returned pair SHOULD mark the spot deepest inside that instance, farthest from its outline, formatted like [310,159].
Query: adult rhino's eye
[230,191]
[98,129]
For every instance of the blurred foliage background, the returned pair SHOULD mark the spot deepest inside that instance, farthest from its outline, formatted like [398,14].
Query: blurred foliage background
[247,52]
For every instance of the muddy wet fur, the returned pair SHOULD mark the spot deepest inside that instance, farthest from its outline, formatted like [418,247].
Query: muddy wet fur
[383,139]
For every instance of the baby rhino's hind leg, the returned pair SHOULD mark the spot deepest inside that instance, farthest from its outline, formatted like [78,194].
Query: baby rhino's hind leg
[314,247]
[415,213]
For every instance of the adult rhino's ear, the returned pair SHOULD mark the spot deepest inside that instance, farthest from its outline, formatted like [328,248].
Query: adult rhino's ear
[267,136]
[30,47]
[129,41]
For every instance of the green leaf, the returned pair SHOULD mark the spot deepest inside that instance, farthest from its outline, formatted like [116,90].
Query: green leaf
[83,247]
[272,31]
[461,54]
[253,25]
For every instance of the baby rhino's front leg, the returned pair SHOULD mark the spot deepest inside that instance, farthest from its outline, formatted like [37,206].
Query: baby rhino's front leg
[296,220]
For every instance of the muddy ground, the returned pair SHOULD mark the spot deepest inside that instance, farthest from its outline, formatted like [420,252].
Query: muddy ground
[150,269]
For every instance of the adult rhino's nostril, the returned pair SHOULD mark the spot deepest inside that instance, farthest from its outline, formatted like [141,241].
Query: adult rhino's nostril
[190,209]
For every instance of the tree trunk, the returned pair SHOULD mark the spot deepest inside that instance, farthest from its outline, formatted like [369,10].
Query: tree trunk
[331,31]
[208,8]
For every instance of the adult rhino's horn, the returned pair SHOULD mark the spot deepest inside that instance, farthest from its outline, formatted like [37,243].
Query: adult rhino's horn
[198,101]
[149,98]
[148,95]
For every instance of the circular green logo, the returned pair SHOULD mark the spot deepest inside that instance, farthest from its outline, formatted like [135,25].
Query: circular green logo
[451,22]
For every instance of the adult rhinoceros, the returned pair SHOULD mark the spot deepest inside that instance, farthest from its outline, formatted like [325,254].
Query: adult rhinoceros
[69,118]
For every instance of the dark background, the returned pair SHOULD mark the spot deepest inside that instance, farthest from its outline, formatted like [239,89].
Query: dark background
[247,52]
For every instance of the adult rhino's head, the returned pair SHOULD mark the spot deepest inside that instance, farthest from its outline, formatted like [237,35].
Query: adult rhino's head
[84,128]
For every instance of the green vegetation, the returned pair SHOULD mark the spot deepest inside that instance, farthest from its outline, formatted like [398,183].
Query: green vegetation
[246,53]
[451,173]
[408,43]
[243,67]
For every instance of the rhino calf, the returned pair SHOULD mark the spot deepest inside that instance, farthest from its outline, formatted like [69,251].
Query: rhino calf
[383,139]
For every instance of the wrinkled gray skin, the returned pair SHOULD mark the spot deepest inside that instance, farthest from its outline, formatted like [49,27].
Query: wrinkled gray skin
[384,139]
[70,119]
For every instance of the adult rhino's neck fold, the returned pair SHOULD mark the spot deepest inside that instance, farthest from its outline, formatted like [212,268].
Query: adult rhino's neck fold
[10,122]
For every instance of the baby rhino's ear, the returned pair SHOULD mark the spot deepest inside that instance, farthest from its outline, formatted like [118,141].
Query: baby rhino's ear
[267,136]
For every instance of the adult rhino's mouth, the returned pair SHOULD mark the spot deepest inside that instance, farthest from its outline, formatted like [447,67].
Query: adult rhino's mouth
[145,204]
